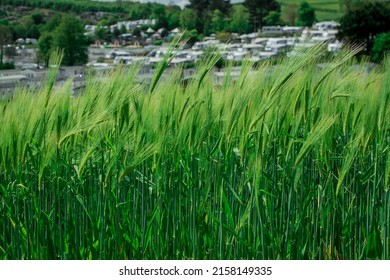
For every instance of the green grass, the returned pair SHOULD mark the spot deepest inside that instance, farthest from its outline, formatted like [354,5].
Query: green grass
[291,162]
[324,9]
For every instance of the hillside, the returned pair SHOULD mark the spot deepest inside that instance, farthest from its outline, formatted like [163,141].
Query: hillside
[325,9]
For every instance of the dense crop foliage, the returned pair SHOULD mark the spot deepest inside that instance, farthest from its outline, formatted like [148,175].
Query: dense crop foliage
[291,162]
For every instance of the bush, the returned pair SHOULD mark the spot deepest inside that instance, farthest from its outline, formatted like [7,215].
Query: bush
[7,66]
[224,36]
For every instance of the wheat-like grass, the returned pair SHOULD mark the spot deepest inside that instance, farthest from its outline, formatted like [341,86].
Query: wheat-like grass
[289,161]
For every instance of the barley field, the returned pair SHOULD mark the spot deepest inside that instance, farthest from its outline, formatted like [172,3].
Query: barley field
[286,162]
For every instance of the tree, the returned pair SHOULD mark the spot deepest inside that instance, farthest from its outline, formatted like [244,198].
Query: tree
[116,32]
[199,6]
[5,38]
[4,21]
[273,18]
[204,11]
[37,18]
[306,14]
[188,19]
[173,16]
[51,24]
[20,31]
[10,52]
[136,32]
[240,20]
[223,6]
[360,25]
[381,46]
[160,16]
[69,36]
[217,21]
[26,28]
[103,33]
[31,29]
[45,43]
[192,36]
[33,32]
[259,9]
[123,29]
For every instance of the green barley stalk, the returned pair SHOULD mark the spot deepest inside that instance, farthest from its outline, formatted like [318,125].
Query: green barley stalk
[289,161]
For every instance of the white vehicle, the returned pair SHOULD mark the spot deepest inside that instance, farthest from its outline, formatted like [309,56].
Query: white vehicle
[291,29]
[335,47]
[318,36]
[272,29]
[276,45]
[198,46]
[252,48]
[194,55]
[238,55]
[263,55]
[292,41]
[322,36]
[123,59]
[116,53]
[326,25]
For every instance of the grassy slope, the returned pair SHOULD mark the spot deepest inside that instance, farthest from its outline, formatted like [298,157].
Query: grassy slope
[325,9]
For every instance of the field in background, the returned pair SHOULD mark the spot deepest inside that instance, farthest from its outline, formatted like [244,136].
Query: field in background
[288,162]
[325,9]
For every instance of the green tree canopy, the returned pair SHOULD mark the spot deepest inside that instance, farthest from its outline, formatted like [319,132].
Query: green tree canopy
[20,31]
[273,18]
[69,36]
[51,24]
[123,29]
[173,16]
[217,21]
[259,9]
[192,36]
[26,27]
[10,52]
[45,43]
[159,14]
[381,46]
[204,11]
[33,32]
[188,19]
[240,20]
[362,23]
[37,18]
[3,21]
[223,6]
[102,33]
[116,32]
[306,14]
